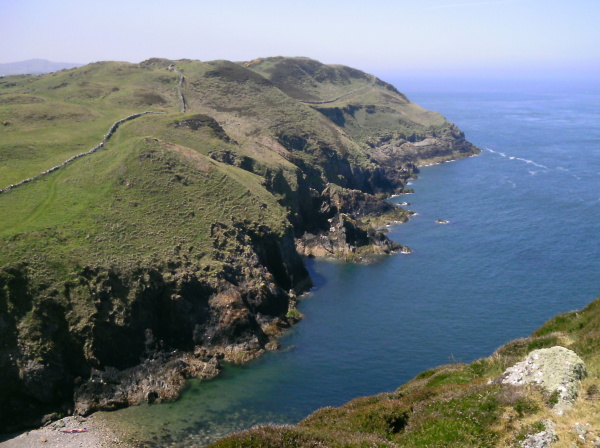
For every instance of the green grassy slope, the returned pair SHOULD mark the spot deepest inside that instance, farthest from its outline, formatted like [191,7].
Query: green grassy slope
[308,80]
[52,117]
[455,405]
[373,113]
[132,200]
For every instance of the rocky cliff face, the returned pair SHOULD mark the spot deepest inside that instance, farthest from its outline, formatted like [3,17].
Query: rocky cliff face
[438,146]
[343,232]
[114,338]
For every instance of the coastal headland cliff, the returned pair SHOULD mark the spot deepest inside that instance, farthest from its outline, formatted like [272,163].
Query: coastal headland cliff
[141,245]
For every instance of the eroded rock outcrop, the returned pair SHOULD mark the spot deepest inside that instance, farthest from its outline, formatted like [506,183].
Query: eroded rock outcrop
[344,232]
[115,337]
[396,154]
[155,380]
[558,370]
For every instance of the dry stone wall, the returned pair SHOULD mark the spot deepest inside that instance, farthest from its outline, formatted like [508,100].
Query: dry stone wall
[108,135]
[180,90]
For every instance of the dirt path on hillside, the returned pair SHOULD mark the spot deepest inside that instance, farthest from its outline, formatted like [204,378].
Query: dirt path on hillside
[352,92]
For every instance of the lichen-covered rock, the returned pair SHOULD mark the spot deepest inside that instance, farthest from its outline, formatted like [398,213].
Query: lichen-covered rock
[555,369]
[586,434]
[542,439]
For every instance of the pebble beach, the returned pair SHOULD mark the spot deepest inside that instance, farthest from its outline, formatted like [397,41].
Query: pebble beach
[95,434]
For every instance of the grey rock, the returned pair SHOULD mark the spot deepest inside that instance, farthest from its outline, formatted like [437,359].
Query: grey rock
[586,434]
[543,439]
[554,369]
[581,430]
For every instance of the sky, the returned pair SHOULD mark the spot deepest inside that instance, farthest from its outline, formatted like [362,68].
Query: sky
[420,38]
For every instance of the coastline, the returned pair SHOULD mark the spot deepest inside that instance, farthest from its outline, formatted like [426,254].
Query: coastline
[232,314]
[101,433]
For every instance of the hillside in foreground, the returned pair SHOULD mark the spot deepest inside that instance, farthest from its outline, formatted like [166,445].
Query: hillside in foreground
[154,216]
[472,405]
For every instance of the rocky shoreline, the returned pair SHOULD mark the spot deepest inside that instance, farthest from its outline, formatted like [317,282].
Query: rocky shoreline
[162,374]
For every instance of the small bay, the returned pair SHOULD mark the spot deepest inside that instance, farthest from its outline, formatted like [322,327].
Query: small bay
[521,245]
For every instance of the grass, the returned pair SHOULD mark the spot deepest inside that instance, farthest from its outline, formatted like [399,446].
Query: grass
[53,117]
[134,199]
[155,177]
[370,111]
[309,80]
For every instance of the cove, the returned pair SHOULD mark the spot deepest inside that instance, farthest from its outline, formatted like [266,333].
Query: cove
[521,245]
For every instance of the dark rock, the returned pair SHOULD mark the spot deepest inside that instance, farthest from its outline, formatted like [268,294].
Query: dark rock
[91,355]
[343,233]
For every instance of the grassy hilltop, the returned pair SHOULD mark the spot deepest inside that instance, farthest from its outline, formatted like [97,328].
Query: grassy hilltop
[178,235]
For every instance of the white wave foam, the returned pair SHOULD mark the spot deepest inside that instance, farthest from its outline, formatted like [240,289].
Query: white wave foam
[531,162]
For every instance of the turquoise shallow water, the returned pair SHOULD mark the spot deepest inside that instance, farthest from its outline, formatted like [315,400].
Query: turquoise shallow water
[521,246]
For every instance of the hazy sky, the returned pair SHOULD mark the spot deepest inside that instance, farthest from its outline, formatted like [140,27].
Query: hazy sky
[523,38]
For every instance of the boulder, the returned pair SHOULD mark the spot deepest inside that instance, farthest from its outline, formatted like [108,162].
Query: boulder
[557,370]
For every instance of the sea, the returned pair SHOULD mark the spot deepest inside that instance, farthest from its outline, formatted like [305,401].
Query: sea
[522,244]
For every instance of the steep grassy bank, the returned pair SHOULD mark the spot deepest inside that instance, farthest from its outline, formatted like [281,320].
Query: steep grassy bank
[174,245]
[459,404]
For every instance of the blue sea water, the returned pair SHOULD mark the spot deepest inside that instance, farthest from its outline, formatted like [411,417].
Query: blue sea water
[521,245]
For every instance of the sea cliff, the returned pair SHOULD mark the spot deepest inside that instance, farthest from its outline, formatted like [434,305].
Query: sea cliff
[175,242]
